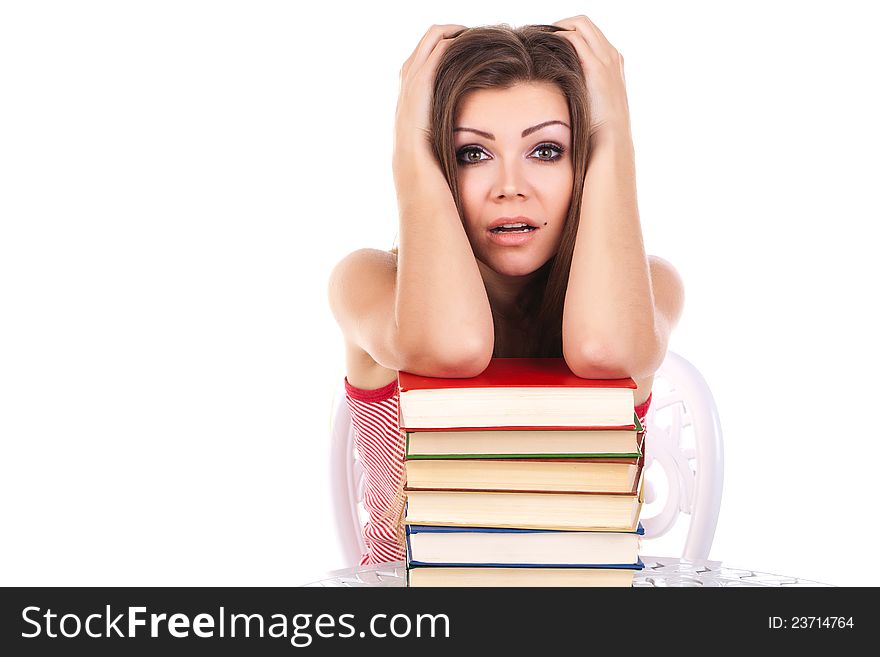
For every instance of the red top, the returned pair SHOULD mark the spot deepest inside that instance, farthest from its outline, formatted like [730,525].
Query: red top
[382,447]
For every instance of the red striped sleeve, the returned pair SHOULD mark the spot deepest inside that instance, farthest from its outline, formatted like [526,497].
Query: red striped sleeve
[381,448]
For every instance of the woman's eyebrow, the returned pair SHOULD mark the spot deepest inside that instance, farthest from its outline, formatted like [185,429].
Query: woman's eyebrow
[525,133]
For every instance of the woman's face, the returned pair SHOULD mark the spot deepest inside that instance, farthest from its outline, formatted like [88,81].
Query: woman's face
[511,173]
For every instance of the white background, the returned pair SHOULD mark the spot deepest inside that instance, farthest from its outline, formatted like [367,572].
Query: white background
[177,180]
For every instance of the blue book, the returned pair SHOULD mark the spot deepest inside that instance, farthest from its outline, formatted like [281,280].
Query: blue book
[519,576]
[493,547]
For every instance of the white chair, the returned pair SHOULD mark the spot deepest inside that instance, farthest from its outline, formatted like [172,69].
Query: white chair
[684,459]
[346,483]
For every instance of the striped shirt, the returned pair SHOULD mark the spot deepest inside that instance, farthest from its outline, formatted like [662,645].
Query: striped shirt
[381,448]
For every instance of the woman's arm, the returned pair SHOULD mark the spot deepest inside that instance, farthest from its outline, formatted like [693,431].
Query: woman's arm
[441,308]
[441,304]
[610,327]
[613,326]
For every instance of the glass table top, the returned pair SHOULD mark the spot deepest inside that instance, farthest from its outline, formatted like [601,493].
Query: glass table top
[658,572]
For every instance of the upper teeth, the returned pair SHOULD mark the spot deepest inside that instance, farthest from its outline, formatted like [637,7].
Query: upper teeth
[512,225]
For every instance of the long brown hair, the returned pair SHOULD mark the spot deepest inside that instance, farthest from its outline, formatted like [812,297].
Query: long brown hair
[500,56]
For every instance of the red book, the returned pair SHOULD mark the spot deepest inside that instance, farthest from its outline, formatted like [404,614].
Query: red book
[516,393]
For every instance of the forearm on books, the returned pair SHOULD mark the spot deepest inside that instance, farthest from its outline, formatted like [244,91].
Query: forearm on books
[443,315]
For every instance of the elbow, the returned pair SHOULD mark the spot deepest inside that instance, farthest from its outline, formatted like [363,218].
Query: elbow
[454,359]
[595,361]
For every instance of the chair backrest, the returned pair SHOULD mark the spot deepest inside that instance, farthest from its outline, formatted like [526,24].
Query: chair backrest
[346,483]
[684,458]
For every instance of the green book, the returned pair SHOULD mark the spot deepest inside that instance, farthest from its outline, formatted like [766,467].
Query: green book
[526,443]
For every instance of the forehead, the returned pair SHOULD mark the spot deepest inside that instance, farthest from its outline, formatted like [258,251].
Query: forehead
[520,106]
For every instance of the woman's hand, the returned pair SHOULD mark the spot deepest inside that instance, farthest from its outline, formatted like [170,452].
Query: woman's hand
[603,69]
[413,116]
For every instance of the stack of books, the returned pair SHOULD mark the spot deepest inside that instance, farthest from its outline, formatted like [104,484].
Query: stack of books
[525,475]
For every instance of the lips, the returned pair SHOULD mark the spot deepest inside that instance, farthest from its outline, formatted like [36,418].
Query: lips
[500,221]
[512,239]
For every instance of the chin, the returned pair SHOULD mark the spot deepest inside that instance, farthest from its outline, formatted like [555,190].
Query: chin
[515,264]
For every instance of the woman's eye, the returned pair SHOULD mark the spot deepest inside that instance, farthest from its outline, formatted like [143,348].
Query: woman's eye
[464,155]
[549,148]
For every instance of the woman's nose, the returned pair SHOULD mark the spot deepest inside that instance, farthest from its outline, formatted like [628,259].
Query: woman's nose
[510,180]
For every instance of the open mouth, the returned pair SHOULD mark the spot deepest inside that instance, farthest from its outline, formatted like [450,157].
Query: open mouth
[513,228]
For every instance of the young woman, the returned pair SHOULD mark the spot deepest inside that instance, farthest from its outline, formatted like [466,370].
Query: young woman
[519,235]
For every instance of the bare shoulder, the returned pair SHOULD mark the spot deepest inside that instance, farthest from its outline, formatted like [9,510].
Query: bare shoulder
[360,276]
[361,294]
[668,291]
[365,266]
